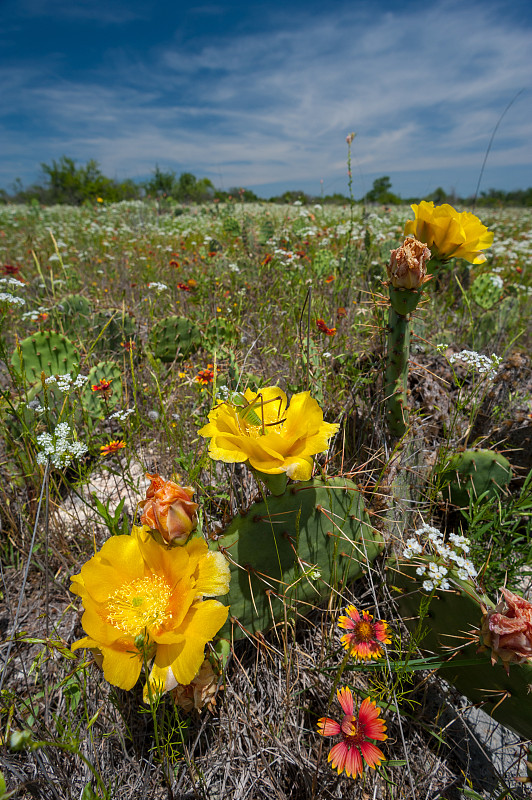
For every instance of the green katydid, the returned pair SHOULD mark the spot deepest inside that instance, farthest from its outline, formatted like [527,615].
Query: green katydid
[247,410]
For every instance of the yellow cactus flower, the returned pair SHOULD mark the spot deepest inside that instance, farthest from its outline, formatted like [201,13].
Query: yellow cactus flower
[449,233]
[144,601]
[257,427]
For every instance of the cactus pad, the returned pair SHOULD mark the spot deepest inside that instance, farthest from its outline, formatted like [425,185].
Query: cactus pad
[92,402]
[452,622]
[473,472]
[175,337]
[486,290]
[48,352]
[295,550]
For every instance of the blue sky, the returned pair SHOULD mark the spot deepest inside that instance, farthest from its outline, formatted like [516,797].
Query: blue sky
[263,94]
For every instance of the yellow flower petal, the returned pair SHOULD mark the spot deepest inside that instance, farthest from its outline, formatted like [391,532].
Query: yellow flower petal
[449,233]
[272,438]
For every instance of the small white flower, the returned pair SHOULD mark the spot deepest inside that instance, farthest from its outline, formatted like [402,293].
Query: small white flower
[159,287]
[428,586]
[5,297]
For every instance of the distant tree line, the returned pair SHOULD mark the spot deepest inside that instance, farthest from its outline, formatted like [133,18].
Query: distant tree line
[73,184]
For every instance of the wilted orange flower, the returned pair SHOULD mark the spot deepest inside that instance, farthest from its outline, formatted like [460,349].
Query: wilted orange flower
[507,630]
[103,387]
[112,447]
[200,693]
[341,312]
[355,747]
[365,638]
[168,508]
[408,265]
[324,329]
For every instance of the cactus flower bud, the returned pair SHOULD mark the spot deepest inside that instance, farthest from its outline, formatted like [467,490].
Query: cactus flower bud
[168,508]
[407,268]
[200,693]
[507,630]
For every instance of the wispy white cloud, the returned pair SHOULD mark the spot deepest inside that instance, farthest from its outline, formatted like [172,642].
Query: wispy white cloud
[423,91]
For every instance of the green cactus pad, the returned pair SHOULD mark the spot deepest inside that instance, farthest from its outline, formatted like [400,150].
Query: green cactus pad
[175,337]
[115,327]
[485,291]
[294,551]
[75,305]
[472,473]
[48,352]
[453,618]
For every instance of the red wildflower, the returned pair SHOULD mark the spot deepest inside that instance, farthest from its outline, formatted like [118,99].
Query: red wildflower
[103,387]
[174,263]
[10,269]
[341,312]
[205,376]
[355,747]
[112,447]
[329,279]
[129,345]
[266,260]
[365,638]
[184,287]
[324,329]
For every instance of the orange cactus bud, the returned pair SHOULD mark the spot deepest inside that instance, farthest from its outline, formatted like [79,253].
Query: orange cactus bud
[507,630]
[407,268]
[168,508]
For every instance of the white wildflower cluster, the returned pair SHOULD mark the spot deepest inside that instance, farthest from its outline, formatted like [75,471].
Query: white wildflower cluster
[159,287]
[7,282]
[34,405]
[121,416]
[484,365]
[450,555]
[234,267]
[65,383]
[6,297]
[59,448]
[497,281]
[33,316]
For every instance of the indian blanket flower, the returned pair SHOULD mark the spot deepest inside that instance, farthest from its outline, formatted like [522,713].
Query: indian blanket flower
[407,268]
[323,327]
[356,731]
[365,637]
[112,448]
[261,430]
[168,509]
[507,630]
[144,601]
[205,376]
[449,233]
[103,387]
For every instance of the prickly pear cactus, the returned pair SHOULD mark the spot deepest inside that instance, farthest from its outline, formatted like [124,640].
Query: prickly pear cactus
[473,472]
[115,326]
[486,290]
[221,331]
[92,401]
[75,305]
[48,352]
[295,550]
[452,622]
[231,226]
[266,231]
[175,337]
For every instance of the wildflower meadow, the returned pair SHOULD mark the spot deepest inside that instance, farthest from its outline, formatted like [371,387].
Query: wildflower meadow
[266,501]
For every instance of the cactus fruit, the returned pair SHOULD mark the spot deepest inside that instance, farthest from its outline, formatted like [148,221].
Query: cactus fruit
[452,623]
[48,352]
[175,337]
[472,473]
[300,546]
[486,290]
